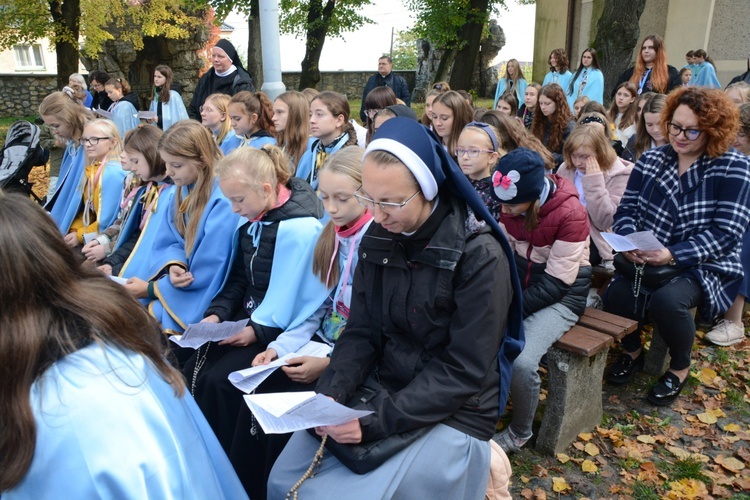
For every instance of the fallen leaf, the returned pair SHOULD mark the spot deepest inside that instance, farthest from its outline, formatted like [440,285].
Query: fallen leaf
[527,493]
[578,446]
[525,479]
[731,428]
[744,454]
[645,438]
[687,489]
[730,463]
[585,436]
[589,466]
[538,471]
[563,458]
[678,452]
[540,494]
[720,491]
[591,449]
[707,376]
[694,431]
[707,418]
[559,485]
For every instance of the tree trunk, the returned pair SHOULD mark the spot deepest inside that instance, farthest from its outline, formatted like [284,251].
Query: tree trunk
[617,33]
[254,52]
[471,34]
[66,14]
[441,74]
[318,20]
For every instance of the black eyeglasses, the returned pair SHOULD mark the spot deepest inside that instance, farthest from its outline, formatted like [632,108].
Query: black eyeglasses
[93,141]
[691,134]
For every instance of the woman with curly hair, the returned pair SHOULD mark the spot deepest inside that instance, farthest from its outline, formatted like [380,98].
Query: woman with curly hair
[559,69]
[554,121]
[693,195]
[651,72]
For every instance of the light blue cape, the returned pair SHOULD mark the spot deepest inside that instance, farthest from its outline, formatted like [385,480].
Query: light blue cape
[172,111]
[109,426]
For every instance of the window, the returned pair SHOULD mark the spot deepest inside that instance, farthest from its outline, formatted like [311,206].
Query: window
[29,56]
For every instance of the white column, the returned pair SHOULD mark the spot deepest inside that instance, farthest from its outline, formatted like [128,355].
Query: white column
[269,35]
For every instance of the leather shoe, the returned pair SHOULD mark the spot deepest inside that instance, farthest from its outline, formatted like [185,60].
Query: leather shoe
[666,390]
[625,368]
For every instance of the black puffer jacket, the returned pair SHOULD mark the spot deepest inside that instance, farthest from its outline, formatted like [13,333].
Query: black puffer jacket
[445,298]
[250,275]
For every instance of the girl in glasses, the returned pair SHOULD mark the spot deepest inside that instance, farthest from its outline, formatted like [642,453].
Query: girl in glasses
[693,196]
[477,151]
[99,194]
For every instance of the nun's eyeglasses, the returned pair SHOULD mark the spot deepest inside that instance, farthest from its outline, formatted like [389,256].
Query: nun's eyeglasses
[385,206]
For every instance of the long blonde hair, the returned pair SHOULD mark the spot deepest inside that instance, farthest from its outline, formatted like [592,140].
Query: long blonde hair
[221,101]
[346,161]
[108,128]
[68,111]
[293,139]
[191,140]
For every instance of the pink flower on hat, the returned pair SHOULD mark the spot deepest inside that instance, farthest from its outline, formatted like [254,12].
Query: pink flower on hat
[505,185]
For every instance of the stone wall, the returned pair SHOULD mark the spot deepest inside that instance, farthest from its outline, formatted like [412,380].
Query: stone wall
[20,95]
[349,83]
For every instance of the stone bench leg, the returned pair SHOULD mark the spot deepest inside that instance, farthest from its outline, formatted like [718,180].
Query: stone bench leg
[574,400]
[657,357]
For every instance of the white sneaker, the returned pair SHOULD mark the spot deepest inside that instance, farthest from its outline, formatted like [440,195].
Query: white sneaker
[726,333]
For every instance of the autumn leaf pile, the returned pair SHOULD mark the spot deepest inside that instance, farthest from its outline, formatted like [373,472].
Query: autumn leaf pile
[698,448]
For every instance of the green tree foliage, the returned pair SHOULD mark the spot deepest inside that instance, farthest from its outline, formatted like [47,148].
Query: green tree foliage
[64,21]
[405,51]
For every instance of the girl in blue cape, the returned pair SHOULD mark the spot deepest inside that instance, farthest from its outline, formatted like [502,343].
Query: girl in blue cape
[252,120]
[90,406]
[588,79]
[215,117]
[66,118]
[166,102]
[704,72]
[98,195]
[124,113]
[270,280]
[559,71]
[330,127]
[191,242]
[334,262]
[512,83]
[132,245]
[440,297]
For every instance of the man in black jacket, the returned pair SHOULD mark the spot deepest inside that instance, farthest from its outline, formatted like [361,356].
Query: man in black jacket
[386,78]
[227,76]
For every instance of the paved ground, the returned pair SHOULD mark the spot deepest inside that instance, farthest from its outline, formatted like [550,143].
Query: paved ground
[698,448]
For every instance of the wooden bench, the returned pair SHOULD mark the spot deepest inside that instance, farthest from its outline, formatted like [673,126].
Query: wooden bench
[576,368]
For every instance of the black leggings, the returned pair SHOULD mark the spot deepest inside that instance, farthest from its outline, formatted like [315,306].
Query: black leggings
[668,307]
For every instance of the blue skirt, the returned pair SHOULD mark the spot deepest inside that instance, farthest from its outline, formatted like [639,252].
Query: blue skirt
[444,463]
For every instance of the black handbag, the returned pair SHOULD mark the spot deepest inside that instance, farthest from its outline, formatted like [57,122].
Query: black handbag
[651,277]
[363,457]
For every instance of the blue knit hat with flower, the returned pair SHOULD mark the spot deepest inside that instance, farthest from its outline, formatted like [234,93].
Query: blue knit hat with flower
[518,177]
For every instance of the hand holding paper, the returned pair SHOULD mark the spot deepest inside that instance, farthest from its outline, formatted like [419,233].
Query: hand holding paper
[282,412]
[200,333]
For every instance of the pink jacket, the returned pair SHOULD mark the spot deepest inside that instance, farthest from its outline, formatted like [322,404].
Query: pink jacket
[602,192]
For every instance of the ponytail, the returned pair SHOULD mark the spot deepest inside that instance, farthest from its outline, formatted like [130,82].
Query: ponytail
[265,117]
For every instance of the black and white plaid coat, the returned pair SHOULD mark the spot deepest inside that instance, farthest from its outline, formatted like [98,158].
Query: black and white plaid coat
[700,217]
